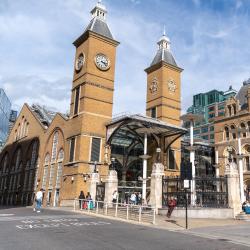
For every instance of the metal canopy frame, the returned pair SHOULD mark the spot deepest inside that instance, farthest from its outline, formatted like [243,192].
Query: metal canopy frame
[131,128]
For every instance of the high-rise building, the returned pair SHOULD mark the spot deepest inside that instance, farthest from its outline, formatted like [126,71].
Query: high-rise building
[5,110]
[210,104]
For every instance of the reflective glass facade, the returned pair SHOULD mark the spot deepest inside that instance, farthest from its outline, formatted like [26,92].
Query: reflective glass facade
[5,109]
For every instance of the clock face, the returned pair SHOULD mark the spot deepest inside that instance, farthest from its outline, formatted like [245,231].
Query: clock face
[171,86]
[80,62]
[154,86]
[102,62]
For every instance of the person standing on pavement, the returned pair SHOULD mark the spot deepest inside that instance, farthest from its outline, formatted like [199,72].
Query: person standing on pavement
[81,199]
[114,196]
[171,205]
[133,198]
[39,200]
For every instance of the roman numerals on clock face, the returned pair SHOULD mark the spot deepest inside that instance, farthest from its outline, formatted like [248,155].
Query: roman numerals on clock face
[102,62]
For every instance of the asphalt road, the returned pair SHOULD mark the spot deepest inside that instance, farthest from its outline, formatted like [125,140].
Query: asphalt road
[23,229]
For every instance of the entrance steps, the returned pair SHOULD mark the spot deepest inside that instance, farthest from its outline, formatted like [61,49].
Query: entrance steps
[242,216]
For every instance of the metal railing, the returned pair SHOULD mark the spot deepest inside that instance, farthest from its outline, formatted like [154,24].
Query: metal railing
[210,192]
[139,213]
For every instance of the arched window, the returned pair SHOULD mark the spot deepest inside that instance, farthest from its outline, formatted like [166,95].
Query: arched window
[227,133]
[229,110]
[54,146]
[234,109]
[5,162]
[59,168]
[243,127]
[27,129]
[233,132]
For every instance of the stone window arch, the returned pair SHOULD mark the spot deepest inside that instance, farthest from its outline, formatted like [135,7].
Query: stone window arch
[227,134]
[243,126]
[232,127]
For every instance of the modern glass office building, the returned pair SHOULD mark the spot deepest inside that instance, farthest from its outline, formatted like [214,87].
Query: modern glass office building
[5,110]
[210,104]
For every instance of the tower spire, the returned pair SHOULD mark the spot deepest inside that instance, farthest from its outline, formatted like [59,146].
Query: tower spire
[164,42]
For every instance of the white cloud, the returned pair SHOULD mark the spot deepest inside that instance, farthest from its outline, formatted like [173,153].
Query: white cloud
[37,55]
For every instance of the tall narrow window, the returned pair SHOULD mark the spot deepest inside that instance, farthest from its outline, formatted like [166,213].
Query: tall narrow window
[33,154]
[95,149]
[171,159]
[227,133]
[45,173]
[233,131]
[59,168]
[76,104]
[72,149]
[52,175]
[54,146]
[243,127]
[153,112]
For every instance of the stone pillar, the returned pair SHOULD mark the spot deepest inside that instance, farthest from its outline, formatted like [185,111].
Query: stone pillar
[111,184]
[93,180]
[233,187]
[156,186]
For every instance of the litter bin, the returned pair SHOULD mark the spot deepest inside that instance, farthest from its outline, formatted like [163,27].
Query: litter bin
[247,210]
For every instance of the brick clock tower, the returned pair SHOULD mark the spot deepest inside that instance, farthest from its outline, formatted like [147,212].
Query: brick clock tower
[91,101]
[164,95]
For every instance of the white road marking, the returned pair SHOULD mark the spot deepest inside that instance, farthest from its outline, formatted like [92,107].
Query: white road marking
[6,215]
[40,224]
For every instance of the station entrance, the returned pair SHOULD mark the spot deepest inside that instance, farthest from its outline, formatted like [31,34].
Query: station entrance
[136,143]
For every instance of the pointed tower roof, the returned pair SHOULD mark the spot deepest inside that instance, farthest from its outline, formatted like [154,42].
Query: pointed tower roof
[164,54]
[97,24]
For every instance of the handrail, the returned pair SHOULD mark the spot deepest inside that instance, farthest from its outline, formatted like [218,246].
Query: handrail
[140,213]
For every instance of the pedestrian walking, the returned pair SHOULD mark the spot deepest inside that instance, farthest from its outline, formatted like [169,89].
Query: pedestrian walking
[133,198]
[81,199]
[171,205]
[114,196]
[38,200]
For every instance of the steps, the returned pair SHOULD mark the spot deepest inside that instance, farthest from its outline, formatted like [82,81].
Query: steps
[242,216]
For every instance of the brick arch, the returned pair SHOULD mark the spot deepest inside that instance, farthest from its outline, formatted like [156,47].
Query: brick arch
[48,147]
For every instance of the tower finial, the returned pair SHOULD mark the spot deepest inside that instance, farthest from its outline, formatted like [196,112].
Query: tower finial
[164,30]
[99,10]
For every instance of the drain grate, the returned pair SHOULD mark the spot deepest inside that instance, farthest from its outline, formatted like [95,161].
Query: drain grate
[223,240]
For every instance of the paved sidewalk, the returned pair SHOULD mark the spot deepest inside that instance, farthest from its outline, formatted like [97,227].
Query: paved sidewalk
[173,223]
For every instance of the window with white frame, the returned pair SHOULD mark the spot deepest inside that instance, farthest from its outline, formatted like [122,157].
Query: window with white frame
[45,174]
[95,149]
[59,175]
[59,168]
[54,146]
[52,176]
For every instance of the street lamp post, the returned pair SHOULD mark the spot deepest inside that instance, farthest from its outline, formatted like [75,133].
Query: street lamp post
[145,158]
[191,118]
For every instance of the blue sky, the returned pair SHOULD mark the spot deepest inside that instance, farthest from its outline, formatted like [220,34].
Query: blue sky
[210,40]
